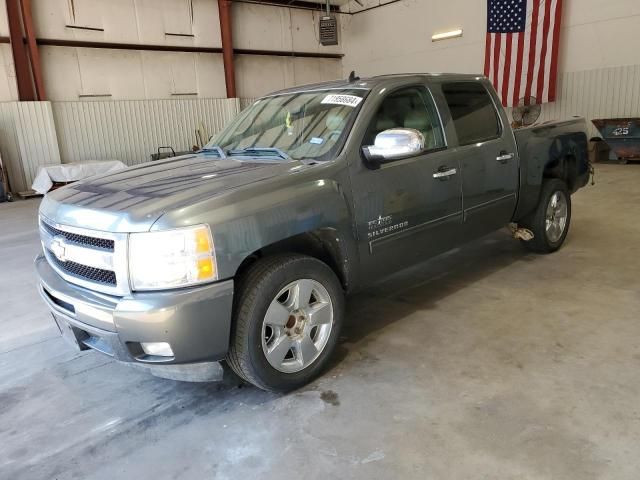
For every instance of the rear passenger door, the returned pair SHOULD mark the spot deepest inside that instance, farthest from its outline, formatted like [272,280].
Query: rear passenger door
[487,154]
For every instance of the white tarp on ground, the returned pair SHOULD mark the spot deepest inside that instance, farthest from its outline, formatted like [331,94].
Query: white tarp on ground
[72,172]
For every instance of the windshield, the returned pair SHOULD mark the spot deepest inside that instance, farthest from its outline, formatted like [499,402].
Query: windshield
[300,125]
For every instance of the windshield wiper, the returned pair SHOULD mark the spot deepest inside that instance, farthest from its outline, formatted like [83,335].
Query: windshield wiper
[259,151]
[213,149]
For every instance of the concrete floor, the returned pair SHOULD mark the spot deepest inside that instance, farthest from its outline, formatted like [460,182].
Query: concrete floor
[486,363]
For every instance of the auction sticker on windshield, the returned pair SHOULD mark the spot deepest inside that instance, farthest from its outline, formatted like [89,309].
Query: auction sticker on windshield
[346,100]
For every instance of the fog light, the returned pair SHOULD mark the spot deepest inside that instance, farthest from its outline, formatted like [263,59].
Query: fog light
[158,349]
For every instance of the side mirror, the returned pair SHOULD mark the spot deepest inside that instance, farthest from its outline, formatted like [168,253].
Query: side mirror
[393,144]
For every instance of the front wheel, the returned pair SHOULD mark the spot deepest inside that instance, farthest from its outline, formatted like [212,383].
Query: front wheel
[550,222]
[287,321]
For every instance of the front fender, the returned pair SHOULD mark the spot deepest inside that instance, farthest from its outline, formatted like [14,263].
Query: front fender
[249,221]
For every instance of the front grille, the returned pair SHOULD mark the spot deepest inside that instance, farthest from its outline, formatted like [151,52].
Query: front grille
[105,277]
[91,258]
[102,243]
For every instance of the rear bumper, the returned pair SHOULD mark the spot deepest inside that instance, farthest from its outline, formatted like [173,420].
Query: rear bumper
[195,322]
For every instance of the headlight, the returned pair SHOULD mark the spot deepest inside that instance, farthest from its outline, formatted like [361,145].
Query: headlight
[171,259]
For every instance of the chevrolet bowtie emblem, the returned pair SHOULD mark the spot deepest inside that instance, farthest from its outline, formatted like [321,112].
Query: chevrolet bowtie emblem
[58,247]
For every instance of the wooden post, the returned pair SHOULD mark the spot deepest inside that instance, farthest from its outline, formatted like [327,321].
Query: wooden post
[20,58]
[34,54]
[224,10]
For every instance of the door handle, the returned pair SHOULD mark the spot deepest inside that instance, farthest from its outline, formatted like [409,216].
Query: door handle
[444,174]
[504,157]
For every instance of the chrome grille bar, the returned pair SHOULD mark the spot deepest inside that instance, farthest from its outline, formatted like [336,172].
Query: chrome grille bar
[101,243]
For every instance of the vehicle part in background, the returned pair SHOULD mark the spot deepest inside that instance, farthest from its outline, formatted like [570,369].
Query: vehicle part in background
[598,150]
[526,113]
[328,28]
[167,152]
[5,189]
[622,135]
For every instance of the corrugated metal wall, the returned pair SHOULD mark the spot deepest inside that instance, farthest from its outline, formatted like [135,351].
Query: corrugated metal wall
[602,93]
[131,130]
[28,140]
[37,137]
[9,148]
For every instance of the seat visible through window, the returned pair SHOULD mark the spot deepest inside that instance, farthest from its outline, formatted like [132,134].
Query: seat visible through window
[407,108]
[420,120]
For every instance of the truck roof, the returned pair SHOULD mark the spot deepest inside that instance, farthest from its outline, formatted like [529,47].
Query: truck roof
[369,83]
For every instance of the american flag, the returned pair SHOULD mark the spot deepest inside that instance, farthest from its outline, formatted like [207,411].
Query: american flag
[521,54]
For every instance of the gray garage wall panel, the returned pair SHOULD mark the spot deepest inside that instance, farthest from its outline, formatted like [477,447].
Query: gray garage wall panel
[131,130]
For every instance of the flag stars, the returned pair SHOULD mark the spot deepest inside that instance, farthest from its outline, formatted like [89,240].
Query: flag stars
[506,16]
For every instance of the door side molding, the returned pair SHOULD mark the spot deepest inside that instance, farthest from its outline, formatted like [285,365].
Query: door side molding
[487,204]
[411,230]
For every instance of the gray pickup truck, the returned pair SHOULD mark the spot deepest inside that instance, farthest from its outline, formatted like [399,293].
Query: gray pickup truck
[244,252]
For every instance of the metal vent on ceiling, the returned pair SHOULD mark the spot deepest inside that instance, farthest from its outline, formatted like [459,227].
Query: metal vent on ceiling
[328,30]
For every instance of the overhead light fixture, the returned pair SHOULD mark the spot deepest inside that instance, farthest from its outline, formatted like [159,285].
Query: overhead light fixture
[445,35]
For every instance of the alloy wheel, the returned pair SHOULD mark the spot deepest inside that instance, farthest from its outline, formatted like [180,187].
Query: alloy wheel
[556,217]
[297,326]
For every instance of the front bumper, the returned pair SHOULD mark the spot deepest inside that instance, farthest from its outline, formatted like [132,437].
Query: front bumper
[195,322]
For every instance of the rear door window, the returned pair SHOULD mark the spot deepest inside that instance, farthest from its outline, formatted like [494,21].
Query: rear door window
[473,112]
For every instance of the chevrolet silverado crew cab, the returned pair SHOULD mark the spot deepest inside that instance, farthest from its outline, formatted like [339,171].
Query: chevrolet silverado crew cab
[244,251]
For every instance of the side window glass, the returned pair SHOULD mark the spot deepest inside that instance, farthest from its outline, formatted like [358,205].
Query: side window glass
[407,108]
[473,112]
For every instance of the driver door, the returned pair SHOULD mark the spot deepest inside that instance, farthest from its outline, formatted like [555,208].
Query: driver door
[408,209]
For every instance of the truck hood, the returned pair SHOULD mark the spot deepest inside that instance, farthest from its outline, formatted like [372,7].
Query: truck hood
[132,200]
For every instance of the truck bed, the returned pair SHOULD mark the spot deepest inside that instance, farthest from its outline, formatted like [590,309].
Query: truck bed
[550,147]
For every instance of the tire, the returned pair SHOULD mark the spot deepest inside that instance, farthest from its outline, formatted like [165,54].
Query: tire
[266,317]
[548,240]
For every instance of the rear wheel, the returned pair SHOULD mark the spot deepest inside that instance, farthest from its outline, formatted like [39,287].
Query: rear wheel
[551,219]
[288,317]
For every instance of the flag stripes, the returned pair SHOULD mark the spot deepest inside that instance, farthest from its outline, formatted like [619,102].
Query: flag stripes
[521,48]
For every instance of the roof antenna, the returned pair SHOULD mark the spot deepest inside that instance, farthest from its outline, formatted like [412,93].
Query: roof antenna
[353,77]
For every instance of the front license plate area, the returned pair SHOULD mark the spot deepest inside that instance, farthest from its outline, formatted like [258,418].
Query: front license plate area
[70,334]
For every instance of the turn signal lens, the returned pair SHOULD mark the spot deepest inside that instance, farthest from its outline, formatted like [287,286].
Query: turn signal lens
[205,269]
[203,240]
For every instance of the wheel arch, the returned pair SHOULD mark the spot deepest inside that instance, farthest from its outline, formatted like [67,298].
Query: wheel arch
[564,168]
[565,158]
[545,155]
[325,244]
